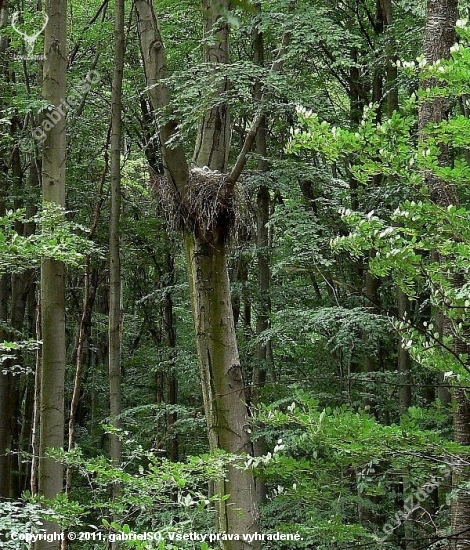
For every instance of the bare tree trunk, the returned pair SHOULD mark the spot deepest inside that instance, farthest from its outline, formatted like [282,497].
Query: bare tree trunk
[372,303]
[404,360]
[5,406]
[35,429]
[222,382]
[213,141]
[391,88]
[52,271]
[263,211]
[170,342]
[206,252]
[460,507]
[263,366]
[115,315]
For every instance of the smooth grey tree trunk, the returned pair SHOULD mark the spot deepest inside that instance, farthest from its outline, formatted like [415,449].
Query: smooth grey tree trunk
[50,477]
[115,316]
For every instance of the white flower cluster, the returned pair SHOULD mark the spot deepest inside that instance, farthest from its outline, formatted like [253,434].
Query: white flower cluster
[255,461]
[300,110]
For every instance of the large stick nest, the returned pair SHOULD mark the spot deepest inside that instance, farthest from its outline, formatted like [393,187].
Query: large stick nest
[208,206]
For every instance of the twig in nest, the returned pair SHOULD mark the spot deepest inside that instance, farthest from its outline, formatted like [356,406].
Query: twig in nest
[208,206]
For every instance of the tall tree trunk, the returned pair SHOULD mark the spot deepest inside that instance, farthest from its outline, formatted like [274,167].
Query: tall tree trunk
[115,316]
[221,372]
[166,379]
[213,141]
[50,476]
[263,365]
[263,200]
[24,305]
[223,388]
[35,428]
[82,334]
[460,507]
[170,342]
[5,406]
[404,360]
[206,253]
[21,286]
[391,89]
[439,36]
[391,86]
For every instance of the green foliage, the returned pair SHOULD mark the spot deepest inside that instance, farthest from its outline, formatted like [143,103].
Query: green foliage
[420,243]
[9,353]
[20,518]
[56,238]
[386,148]
[156,495]
[335,459]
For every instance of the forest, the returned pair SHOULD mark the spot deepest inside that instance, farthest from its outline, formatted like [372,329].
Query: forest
[234,274]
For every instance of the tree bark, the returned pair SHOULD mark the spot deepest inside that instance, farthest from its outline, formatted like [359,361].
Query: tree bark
[222,383]
[52,271]
[115,315]
[220,370]
[263,366]
[460,507]
[372,303]
[170,342]
[439,36]
[391,86]
[404,360]
[263,200]
[264,285]
[213,141]
[5,405]
[403,305]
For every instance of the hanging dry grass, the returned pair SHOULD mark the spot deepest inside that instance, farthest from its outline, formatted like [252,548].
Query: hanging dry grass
[208,207]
